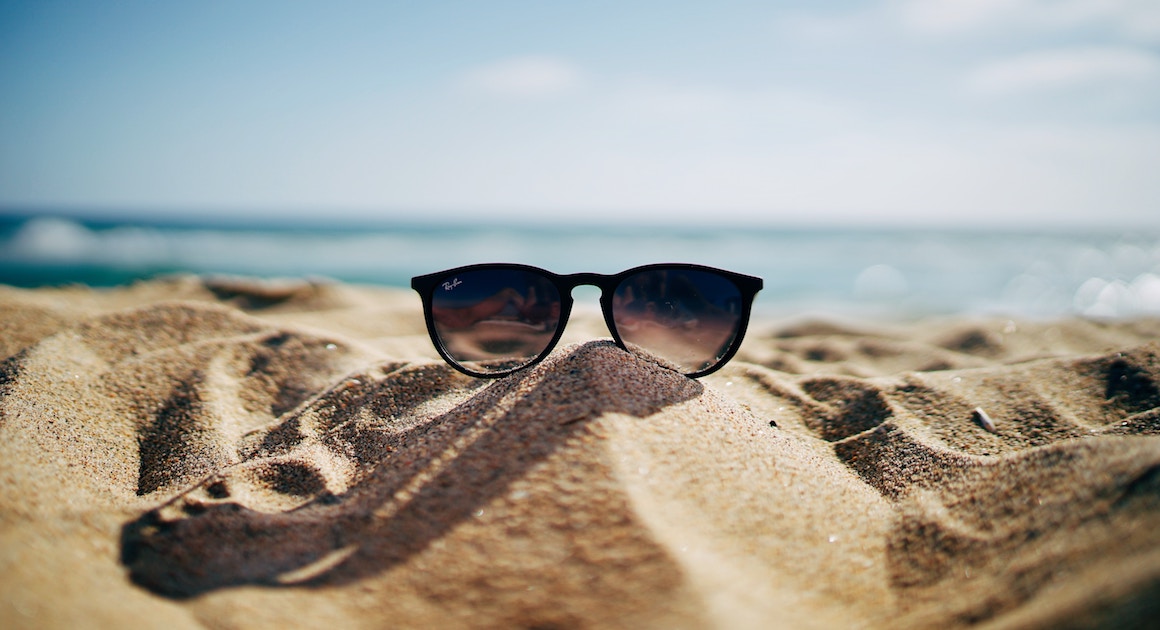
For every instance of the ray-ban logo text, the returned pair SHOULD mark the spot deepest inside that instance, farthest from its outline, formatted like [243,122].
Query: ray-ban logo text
[451,284]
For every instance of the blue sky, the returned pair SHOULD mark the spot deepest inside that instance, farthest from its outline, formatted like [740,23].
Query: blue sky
[934,112]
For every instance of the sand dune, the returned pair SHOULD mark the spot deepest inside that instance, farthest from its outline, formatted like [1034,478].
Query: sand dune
[224,452]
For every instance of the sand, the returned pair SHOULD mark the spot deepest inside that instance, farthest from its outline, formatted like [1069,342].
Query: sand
[229,453]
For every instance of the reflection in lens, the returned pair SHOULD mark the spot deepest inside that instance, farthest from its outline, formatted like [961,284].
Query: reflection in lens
[494,320]
[684,317]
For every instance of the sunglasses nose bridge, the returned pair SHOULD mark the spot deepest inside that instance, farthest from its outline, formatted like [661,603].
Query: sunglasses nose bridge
[572,281]
[584,279]
[601,284]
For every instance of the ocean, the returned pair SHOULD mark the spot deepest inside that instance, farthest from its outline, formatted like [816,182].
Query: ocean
[880,273]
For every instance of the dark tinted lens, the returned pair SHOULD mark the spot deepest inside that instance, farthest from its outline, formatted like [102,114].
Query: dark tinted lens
[494,320]
[686,317]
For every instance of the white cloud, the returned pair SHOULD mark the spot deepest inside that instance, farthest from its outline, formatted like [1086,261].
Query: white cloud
[941,16]
[526,77]
[1139,19]
[1063,69]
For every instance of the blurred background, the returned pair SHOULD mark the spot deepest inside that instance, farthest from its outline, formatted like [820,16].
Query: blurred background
[885,157]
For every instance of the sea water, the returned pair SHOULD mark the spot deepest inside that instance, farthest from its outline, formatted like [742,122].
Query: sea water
[859,272]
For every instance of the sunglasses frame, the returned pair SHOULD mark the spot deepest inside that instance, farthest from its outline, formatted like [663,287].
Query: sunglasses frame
[426,284]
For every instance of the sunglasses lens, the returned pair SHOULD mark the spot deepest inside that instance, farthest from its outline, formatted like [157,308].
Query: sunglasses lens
[495,320]
[685,317]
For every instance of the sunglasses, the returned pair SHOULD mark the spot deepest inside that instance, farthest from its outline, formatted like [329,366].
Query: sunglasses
[494,319]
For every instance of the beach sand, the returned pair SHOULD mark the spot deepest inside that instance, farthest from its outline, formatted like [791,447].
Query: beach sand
[230,453]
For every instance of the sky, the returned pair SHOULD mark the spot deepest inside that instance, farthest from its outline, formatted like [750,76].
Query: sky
[885,112]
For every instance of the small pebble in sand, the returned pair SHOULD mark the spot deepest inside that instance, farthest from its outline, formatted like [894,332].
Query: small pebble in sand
[984,420]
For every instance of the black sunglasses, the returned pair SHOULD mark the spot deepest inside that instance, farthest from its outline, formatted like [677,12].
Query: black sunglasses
[494,319]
